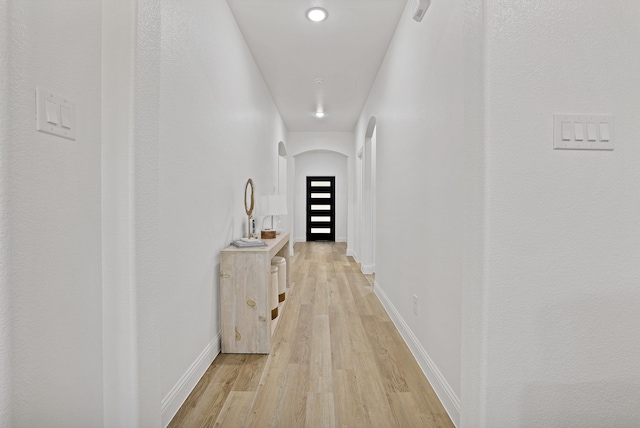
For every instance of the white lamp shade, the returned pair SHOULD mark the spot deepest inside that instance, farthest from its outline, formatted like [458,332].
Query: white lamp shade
[280,202]
[273,205]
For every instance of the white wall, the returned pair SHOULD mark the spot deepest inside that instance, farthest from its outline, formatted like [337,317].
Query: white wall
[563,342]
[473,349]
[51,223]
[320,163]
[422,186]
[538,247]
[364,219]
[5,292]
[65,314]
[120,391]
[300,142]
[130,102]
[219,126]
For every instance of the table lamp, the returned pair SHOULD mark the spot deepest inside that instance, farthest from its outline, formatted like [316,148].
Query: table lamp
[271,206]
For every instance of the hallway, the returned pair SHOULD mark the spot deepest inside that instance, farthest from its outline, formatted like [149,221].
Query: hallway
[337,361]
[507,259]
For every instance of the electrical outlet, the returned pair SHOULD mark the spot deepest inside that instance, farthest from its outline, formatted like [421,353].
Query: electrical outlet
[415,305]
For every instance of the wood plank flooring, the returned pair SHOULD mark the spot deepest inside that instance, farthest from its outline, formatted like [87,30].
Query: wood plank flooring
[337,360]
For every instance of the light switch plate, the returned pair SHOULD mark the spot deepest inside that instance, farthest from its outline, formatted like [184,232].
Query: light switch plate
[574,137]
[55,115]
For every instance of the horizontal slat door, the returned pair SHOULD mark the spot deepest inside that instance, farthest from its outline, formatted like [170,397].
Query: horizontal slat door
[321,210]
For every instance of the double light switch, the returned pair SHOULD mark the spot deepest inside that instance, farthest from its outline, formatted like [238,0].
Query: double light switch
[55,114]
[585,132]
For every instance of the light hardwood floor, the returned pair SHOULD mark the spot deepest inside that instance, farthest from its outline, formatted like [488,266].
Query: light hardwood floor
[337,361]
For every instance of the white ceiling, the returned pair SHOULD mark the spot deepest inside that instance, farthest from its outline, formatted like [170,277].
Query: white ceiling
[345,50]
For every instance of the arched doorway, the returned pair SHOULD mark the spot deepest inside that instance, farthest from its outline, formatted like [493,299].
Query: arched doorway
[368,200]
[315,163]
[282,169]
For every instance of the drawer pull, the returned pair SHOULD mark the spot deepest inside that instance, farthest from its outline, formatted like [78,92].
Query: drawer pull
[251,303]
[238,336]
[225,275]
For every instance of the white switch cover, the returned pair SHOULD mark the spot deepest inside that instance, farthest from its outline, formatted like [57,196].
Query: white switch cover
[604,132]
[566,131]
[55,114]
[578,130]
[599,132]
[65,117]
[592,131]
[52,112]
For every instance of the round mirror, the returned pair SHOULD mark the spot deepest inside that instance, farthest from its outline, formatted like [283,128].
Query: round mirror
[248,197]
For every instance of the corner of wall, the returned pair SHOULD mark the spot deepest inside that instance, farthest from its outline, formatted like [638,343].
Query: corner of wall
[473,351]
[178,394]
[367,269]
[443,390]
[130,111]
[5,306]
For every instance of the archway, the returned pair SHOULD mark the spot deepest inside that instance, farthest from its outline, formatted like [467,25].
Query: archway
[320,163]
[283,185]
[282,169]
[368,200]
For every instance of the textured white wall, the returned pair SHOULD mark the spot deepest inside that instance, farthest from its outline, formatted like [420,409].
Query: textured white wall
[422,184]
[563,243]
[300,142]
[473,349]
[364,218]
[219,127]
[548,241]
[120,391]
[118,39]
[52,231]
[320,163]
[130,102]
[5,292]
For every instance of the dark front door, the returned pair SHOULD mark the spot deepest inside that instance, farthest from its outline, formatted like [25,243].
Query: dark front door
[321,209]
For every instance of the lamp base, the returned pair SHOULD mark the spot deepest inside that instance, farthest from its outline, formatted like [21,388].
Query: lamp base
[267,234]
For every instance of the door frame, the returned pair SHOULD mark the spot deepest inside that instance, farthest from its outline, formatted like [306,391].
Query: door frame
[331,190]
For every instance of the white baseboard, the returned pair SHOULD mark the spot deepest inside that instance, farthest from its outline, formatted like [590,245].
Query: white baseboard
[367,269]
[445,393]
[295,240]
[181,390]
[350,252]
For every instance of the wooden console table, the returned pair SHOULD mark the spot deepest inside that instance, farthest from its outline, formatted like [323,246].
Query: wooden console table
[244,296]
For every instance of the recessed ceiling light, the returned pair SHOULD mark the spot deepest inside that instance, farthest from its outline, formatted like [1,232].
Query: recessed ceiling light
[319,81]
[319,114]
[317,14]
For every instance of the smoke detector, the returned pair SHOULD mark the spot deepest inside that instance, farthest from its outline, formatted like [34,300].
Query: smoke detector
[421,9]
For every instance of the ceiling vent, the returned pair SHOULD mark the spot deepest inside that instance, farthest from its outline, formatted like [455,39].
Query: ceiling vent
[421,9]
